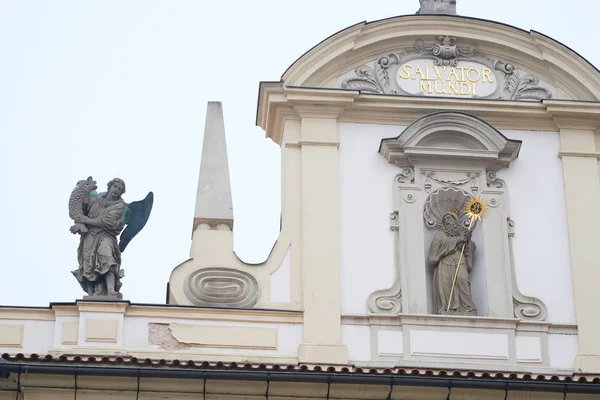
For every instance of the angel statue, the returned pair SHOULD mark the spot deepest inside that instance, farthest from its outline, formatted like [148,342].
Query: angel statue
[99,219]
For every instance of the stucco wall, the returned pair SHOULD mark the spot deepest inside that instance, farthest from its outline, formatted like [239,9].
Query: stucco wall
[537,205]
[366,242]
[536,200]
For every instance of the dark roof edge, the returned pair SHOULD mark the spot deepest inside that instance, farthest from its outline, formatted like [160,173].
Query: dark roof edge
[301,374]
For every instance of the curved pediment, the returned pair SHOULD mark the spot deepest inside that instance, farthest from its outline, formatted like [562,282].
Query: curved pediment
[451,135]
[453,56]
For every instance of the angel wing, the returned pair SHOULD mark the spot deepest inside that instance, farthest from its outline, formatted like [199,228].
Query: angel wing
[135,217]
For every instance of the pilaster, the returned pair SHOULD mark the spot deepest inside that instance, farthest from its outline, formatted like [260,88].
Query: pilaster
[320,237]
[582,192]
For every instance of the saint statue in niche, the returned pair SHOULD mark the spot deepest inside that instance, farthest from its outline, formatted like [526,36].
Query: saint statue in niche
[444,255]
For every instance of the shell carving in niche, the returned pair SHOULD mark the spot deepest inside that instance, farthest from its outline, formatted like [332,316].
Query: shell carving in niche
[443,200]
[221,287]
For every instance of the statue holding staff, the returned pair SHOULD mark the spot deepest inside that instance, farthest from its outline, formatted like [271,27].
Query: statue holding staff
[445,255]
[449,211]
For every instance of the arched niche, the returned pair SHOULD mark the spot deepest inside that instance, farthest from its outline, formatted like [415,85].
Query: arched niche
[444,136]
[452,151]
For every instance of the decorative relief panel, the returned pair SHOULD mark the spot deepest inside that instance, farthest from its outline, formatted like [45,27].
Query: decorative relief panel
[446,68]
[470,177]
[221,287]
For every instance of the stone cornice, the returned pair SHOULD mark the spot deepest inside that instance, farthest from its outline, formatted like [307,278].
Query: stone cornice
[30,314]
[538,54]
[583,154]
[398,320]
[278,103]
[152,311]
[216,314]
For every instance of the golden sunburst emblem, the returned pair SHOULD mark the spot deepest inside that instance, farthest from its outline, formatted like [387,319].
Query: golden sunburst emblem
[476,208]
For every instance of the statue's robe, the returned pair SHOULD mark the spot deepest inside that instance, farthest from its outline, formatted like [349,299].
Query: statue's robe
[444,255]
[98,250]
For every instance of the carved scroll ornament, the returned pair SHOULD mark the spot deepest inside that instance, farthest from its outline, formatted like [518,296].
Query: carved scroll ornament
[525,307]
[443,200]
[221,287]
[512,85]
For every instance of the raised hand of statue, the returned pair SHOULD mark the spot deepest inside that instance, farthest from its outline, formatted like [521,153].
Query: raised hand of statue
[464,240]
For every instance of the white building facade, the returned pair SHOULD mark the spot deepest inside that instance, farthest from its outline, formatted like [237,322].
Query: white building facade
[384,127]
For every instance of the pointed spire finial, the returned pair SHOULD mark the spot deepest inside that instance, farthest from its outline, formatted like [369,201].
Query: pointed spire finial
[447,7]
[213,199]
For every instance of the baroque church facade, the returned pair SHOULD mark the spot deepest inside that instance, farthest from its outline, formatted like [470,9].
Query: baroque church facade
[440,183]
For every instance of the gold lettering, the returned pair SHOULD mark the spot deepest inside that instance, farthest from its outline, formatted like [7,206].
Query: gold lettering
[487,75]
[406,70]
[419,71]
[437,90]
[427,74]
[465,88]
[474,89]
[440,75]
[470,77]
[452,88]
[462,70]
[452,72]
[426,86]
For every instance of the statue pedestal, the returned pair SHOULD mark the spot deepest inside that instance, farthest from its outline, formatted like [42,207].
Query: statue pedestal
[118,296]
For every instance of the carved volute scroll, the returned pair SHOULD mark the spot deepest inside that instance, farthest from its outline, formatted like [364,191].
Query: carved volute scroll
[525,307]
[389,301]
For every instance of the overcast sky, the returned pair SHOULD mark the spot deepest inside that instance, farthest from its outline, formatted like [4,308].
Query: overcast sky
[119,88]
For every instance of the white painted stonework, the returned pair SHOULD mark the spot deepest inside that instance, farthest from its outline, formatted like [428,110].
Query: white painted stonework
[36,337]
[358,340]
[541,258]
[541,255]
[390,343]
[537,203]
[366,201]
[529,349]
[459,345]
[562,351]
[281,284]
